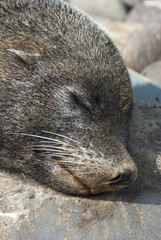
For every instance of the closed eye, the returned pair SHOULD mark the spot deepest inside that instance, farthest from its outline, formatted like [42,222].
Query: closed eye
[81,101]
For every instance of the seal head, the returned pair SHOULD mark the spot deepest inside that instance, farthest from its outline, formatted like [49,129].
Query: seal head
[65,99]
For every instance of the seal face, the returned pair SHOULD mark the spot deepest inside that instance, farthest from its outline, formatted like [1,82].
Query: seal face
[65,99]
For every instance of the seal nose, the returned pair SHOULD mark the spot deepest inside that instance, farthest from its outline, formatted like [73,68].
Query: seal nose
[124,178]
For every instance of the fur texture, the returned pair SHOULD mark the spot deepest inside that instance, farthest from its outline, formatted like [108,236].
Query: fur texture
[65,98]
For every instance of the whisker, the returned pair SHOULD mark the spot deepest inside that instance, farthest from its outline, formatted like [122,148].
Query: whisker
[41,137]
[56,152]
[62,143]
[48,146]
[36,136]
[44,149]
[59,135]
[48,153]
[49,140]
[52,150]
[72,163]
[62,154]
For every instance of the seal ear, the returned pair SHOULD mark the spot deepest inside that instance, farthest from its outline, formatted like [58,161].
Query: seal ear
[28,58]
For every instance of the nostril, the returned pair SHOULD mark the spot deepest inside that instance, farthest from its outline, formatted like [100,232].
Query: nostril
[115,180]
[124,178]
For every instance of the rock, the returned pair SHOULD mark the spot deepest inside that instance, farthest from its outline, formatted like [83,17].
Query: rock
[146,12]
[133,213]
[153,71]
[119,32]
[139,44]
[131,3]
[102,8]
[143,47]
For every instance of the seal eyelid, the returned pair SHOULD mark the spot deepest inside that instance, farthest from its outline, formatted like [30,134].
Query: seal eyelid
[81,102]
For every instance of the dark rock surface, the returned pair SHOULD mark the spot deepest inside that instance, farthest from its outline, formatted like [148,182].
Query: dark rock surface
[32,212]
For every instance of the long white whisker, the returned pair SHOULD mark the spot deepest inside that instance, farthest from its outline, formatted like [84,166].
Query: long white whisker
[59,135]
[72,163]
[45,149]
[64,154]
[52,150]
[32,135]
[63,143]
[48,146]
[47,153]
[41,137]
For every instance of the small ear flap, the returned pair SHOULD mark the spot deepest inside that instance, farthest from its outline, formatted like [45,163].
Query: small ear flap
[28,58]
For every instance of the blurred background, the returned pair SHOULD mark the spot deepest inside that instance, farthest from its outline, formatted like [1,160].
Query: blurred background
[135,28]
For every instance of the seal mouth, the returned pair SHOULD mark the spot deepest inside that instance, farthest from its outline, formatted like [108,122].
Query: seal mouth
[124,178]
[74,175]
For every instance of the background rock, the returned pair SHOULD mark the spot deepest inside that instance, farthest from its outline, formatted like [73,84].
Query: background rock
[146,12]
[113,10]
[139,39]
[32,212]
[119,32]
[153,71]
[131,3]
[143,47]
[139,44]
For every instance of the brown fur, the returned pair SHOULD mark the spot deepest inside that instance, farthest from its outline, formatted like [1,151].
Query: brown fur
[59,72]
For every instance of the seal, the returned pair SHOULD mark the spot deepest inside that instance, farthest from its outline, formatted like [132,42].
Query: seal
[65,99]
